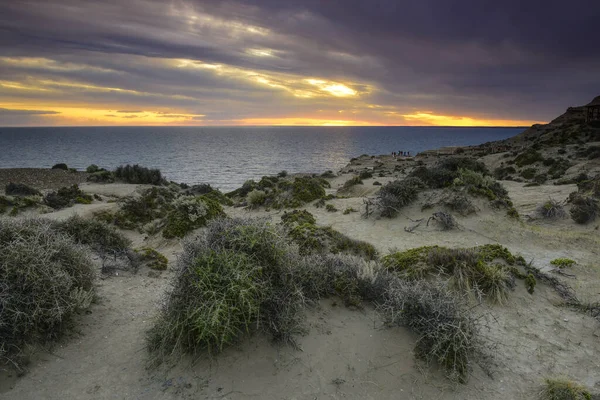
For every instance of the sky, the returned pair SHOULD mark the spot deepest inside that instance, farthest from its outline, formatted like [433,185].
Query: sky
[296,62]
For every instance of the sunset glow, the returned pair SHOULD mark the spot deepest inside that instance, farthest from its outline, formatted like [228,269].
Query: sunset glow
[192,63]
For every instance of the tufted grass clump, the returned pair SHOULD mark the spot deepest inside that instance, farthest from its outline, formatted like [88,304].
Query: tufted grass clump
[552,209]
[447,333]
[397,194]
[236,278]
[487,270]
[564,389]
[45,279]
[66,197]
[139,175]
[100,236]
[356,180]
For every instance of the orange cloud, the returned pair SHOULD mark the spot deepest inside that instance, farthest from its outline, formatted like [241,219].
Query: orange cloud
[429,118]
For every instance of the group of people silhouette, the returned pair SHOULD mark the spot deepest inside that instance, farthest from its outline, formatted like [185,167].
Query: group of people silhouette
[400,154]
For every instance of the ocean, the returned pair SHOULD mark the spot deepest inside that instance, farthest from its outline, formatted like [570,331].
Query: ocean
[225,157]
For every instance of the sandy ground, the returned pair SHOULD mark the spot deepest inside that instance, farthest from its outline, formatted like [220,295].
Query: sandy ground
[346,354]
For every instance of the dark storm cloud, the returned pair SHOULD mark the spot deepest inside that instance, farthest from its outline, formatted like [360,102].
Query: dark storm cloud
[503,59]
[12,112]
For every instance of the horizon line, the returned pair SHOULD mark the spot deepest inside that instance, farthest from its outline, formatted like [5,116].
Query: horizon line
[267,126]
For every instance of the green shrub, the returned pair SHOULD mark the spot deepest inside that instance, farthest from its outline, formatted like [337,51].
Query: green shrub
[93,168]
[190,213]
[139,175]
[365,175]
[298,217]
[20,189]
[562,262]
[62,166]
[563,389]
[513,213]
[66,197]
[356,180]
[528,173]
[468,270]
[4,204]
[397,194]
[460,203]
[102,176]
[256,198]
[330,208]
[328,174]
[235,278]
[349,210]
[100,236]
[312,239]
[152,258]
[528,157]
[150,204]
[307,189]
[45,278]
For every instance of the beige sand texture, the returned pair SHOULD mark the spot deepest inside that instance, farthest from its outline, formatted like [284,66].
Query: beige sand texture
[345,354]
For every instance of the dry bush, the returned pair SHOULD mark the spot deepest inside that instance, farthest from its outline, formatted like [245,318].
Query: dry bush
[397,194]
[45,279]
[447,333]
[445,220]
[460,203]
[584,209]
[552,209]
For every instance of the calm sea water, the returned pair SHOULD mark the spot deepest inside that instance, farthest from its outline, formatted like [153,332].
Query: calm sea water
[225,157]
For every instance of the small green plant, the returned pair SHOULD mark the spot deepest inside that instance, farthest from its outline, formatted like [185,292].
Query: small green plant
[152,258]
[562,262]
[330,208]
[101,176]
[513,213]
[349,210]
[564,389]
